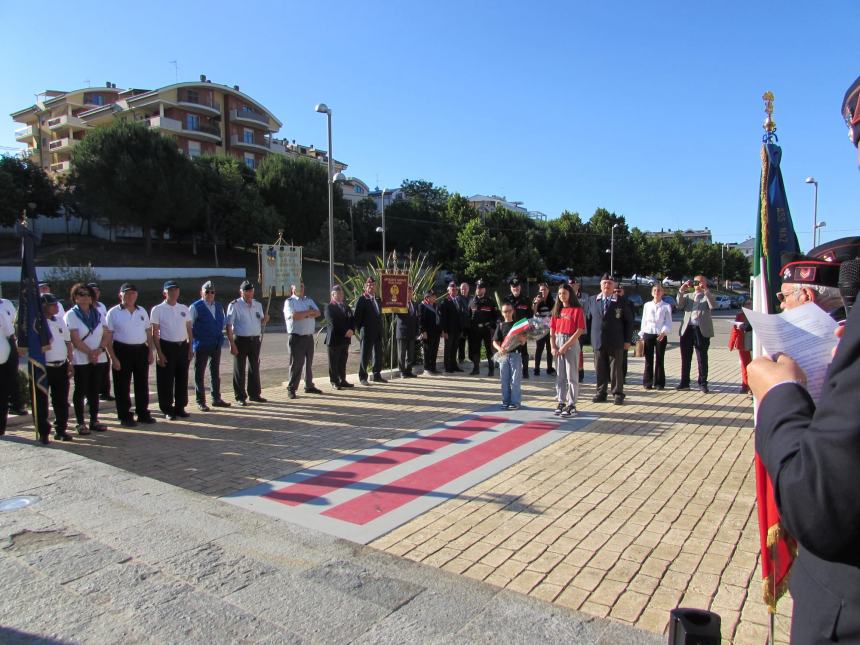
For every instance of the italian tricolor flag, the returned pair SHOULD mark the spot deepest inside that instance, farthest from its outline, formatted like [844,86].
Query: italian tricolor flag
[518,328]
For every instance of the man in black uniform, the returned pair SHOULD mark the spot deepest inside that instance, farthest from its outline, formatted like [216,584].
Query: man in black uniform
[428,321]
[406,333]
[463,303]
[452,325]
[368,322]
[611,330]
[483,317]
[522,309]
[338,335]
[812,453]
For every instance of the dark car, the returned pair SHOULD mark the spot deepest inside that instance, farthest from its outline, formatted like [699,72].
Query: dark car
[636,300]
[671,301]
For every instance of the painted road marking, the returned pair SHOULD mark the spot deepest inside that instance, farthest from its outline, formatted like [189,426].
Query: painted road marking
[362,496]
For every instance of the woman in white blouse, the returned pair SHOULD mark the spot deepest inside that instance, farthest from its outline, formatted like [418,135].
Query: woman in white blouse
[656,325]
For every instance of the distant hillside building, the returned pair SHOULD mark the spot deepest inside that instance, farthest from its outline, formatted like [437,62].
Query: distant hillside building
[203,117]
[488,203]
[747,247]
[391,195]
[354,190]
[692,236]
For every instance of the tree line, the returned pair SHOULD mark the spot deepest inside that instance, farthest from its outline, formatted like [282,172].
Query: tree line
[127,175]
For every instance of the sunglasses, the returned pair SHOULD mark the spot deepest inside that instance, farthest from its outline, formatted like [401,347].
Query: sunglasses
[83,293]
[210,291]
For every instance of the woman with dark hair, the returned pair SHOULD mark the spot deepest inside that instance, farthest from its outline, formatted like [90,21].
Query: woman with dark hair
[567,324]
[86,327]
[655,328]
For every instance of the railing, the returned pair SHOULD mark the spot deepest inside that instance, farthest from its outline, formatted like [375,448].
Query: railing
[236,140]
[23,133]
[249,116]
[203,128]
[212,105]
[63,166]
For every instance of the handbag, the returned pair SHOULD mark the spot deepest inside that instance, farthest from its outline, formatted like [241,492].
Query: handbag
[639,352]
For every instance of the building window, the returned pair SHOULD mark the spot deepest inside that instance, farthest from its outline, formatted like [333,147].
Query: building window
[250,162]
[192,96]
[194,150]
[248,136]
[358,189]
[192,122]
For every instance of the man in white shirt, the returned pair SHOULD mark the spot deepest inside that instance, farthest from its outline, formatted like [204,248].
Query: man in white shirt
[245,322]
[128,339]
[58,366]
[301,312]
[171,335]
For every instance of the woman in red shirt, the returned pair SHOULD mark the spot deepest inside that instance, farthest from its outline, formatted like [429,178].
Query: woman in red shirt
[566,325]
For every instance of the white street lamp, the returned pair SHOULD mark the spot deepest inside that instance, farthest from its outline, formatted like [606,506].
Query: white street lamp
[818,227]
[811,180]
[322,108]
[381,229]
[612,252]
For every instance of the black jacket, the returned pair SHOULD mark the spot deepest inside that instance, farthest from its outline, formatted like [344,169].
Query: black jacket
[812,454]
[521,304]
[450,316]
[367,321]
[428,319]
[614,329]
[407,324]
[337,323]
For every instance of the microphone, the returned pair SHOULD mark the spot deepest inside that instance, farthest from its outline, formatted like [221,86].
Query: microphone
[849,281]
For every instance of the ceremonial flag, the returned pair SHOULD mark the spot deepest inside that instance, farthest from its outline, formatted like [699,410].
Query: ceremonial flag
[774,236]
[33,331]
[518,328]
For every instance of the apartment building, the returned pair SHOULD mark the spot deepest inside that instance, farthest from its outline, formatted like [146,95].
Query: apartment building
[203,117]
[690,235]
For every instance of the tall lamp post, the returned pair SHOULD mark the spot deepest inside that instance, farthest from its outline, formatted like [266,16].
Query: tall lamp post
[612,251]
[812,180]
[322,108]
[818,227]
[382,203]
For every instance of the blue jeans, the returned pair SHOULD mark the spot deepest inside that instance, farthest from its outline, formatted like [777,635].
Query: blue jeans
[511,373]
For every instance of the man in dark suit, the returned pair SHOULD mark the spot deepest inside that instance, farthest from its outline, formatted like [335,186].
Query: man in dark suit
[338,335]
[611,330]
[368,322]
[812,453]
[406,332]
[431,330]
[451,319]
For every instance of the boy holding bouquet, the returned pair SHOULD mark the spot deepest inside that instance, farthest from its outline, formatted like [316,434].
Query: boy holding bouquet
[509,358]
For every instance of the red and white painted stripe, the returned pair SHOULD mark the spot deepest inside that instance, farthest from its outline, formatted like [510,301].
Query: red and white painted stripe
[365,495]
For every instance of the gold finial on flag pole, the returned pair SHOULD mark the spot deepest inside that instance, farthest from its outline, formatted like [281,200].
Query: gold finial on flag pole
[769,123]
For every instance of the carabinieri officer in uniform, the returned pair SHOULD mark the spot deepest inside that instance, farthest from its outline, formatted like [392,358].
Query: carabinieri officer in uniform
[171,334]
[245,322]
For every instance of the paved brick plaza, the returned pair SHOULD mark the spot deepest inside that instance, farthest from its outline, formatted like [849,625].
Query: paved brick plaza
[649,507]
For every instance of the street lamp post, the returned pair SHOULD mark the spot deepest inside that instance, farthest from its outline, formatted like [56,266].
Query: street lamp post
[818,227]
[812,180]
[612,251]
[322,108]
[382,202]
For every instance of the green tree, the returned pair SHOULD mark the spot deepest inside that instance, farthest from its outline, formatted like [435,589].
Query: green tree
[499,244]
[673,259]
[570,244]
[23,183]
[453,218]
[133,176]
[365,219]
[298,191]
[342,243]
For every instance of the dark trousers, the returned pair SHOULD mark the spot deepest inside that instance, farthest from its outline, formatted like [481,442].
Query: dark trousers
[524,352]
[430,349]
[405,354]
[134,363]
[9,372]
[171,379]
[691,339]
[609,368]
[481,336]
[337,355]
[248,353]
[87,381]
[461,345]
[210,356]
[370,346]
[8,381]
[450,354]
[655,373]
[58,386]
[104,384]
[541,345]
[301,356]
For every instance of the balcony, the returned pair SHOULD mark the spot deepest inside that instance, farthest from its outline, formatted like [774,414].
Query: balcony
[163,123]
[203,106]
[65,121]
[62,145]
[27,132]
[260,146]
[202,131]
[249,118]
[279,148]
[61,168]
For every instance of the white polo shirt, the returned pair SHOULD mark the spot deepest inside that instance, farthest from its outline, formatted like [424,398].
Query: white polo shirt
[172,321]
[128,327]
[8,313]
[90,339]
[7,329]
[60,335]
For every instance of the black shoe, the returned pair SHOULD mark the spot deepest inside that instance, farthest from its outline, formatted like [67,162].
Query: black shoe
[45,438]
[365,382]
[128,423]
[180,412]
[682,387]
[258,399]
[291,394]
[170,416]
[377,378]
[433,372]
[704,389]
[457,369]
[449,371]
[550,370]
[347,384]
[21,412]
[242,403]
[559,409]
[649,387]
[525,373]
[337,386]
[661,387]
[598,399]
[537,371]
[218,403]
[203,407]
[63,436]
[618,400]
[98,427]
[474,371]
[410,375]
[581,376]
[313,390]
[489,372]
[106,397]
[147,419]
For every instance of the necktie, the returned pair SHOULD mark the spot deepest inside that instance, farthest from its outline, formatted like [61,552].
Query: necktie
[605,305]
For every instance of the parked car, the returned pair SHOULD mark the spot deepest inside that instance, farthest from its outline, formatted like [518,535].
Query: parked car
[554,278]
[636,300]
[723,302]
[670,300]
[642,279]
[738,300]
[668,282]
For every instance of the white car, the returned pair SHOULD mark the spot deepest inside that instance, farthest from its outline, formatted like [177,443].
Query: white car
[723,302]
[671,283]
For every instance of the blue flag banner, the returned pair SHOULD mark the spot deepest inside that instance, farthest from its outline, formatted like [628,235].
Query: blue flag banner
[33,331]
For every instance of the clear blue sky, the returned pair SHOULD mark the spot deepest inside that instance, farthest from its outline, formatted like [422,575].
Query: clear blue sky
[649,109]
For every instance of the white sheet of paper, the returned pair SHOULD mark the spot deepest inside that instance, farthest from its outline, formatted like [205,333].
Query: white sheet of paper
[805,333]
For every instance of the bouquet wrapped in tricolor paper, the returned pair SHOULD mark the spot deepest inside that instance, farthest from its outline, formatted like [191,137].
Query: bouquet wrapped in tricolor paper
[523,331]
